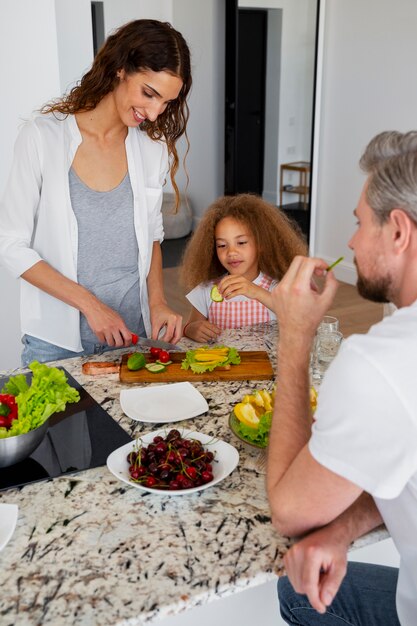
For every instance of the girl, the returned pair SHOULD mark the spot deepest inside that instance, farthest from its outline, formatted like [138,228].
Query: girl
[255,243]
[80,220]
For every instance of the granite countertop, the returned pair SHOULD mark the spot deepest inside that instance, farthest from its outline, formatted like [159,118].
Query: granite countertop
[89,549]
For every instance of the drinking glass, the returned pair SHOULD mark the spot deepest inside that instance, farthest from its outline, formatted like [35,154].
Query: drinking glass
[326,347]
[328,324]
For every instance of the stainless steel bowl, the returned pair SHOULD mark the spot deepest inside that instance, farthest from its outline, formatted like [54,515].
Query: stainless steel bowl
[15,449]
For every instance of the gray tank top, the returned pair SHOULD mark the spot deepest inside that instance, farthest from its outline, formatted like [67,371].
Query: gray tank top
[107,250]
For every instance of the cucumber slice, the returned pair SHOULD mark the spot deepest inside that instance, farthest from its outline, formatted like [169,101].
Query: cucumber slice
[215,294]
[165,363]
[155,368]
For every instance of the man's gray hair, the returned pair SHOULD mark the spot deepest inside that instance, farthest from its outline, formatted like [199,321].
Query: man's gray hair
[390,160]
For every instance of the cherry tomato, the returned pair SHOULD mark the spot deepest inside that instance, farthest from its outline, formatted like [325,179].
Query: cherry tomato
[134,339]
[164,356]
[155,352]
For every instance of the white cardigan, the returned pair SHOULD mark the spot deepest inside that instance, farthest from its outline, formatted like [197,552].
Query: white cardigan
[37,221]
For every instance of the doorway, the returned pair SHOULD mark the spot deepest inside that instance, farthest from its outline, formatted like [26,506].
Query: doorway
[250,127]
[288,56]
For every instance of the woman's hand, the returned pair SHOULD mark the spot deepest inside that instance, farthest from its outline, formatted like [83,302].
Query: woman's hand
[202,331]
[162,316]
[107,325]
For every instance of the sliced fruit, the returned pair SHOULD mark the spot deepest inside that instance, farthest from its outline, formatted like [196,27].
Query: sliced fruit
[258,399]
[155,368]
[245,413]
[163,362]
[215,294]
[247,398]
[267,400]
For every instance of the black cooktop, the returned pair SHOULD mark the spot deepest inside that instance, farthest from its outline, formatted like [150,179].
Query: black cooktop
[79,438]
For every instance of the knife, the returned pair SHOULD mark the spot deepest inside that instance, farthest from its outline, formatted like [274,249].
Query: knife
[158,343]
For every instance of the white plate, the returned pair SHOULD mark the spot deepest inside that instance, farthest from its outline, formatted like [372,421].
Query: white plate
[163,404]
[8,519]
[226,458]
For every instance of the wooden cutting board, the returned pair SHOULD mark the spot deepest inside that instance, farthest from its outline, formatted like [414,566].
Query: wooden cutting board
[253,366]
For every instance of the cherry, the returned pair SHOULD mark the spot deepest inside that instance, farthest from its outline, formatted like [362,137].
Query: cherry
[161,447]
[191,472]
[206,477]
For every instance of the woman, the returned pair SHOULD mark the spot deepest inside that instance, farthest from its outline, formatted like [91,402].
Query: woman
[80,219]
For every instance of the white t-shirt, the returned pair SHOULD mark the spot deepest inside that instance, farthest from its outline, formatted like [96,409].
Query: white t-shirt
[201,300]
[366,431]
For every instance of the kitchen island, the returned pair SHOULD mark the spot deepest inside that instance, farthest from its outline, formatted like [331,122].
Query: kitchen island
[89,549]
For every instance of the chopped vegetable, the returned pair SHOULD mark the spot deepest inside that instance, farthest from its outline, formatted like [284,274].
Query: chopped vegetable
[154,352]
[206,359]
[155,368]
[164,356]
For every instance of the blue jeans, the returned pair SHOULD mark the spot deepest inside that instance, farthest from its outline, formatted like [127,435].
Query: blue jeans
[35,349]
[366,597]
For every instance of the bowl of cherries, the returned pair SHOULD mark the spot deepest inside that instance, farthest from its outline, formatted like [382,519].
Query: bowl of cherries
[173,461]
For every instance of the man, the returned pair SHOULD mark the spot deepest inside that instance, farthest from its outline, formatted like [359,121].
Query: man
[356,467]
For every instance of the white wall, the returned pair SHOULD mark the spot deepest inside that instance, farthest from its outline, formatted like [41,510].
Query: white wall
[75,43]
[30,76]
[202,24]
[118,12]
[296,78]
[368,86]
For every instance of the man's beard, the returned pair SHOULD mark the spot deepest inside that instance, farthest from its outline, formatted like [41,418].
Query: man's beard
[377,290]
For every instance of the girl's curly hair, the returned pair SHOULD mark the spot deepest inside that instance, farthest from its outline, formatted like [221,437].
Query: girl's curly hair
[278,240]
[137,46]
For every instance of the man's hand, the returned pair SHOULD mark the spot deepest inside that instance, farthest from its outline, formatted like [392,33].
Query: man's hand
[316,566]
[298,304]
[162,316]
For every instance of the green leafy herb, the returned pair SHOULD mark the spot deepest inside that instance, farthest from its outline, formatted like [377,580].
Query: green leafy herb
[198,367]
[259,435]
[48,393]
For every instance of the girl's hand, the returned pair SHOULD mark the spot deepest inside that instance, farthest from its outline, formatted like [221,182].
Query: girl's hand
[107,325]
[162,316]
[231,286]
[203,331]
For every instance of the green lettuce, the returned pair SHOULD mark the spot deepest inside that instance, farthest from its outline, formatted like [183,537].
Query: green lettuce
[260,435]
[48,393]
[199,367]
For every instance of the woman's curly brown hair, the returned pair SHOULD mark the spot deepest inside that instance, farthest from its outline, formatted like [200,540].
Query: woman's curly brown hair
[137,46]
[278,240]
